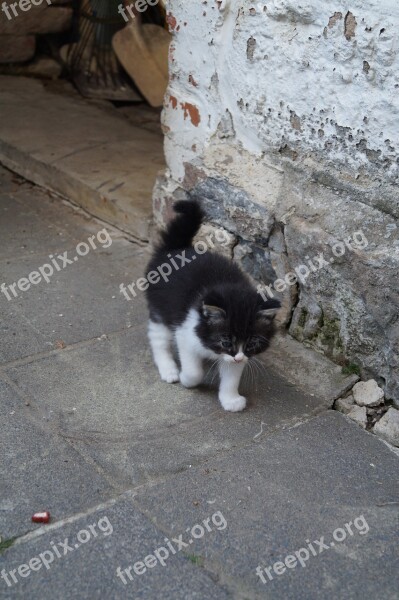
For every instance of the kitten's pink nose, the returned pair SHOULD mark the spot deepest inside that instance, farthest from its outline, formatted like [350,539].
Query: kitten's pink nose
[239,357]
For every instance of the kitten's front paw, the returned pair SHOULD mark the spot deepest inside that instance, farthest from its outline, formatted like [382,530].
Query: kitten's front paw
[190,380]
[233,403]
[170,375]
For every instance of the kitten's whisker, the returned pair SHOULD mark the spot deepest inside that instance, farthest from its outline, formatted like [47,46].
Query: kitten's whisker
[251,371]
[253,378]
[215,363]
[256,367]
[210,368]
[261,369]
[247,372]
[215,374]
[261,365]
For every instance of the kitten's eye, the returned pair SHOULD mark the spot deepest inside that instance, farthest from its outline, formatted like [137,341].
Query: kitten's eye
[226,344]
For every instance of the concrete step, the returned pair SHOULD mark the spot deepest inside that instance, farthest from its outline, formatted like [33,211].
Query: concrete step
[80,150]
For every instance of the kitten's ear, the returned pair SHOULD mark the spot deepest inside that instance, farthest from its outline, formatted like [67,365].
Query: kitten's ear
[267,314]
[213,313]
[268,311]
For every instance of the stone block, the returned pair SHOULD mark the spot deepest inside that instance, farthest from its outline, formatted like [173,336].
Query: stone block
[367,393]
[359,415]
[234,209]
[340,311]
[42,67]
[345,405]
[388,427]
[16,48]
[38,19]
[255,260]
[216,239]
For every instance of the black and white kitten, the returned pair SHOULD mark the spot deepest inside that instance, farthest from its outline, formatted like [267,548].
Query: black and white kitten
[208,305]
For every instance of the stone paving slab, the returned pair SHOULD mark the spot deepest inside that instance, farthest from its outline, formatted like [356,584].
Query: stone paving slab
[23,231]
[120,536]
[86,293]
[156,428]
[81,302]
[40,471]
[34,220]
[109,171]
[294,486]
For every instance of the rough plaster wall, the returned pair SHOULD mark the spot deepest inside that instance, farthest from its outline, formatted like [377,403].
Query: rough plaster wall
[317,76]
[283,117]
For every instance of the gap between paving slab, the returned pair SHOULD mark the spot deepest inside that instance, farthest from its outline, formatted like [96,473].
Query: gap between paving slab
[277,495]
[80,151]
[268,512]
[148,415]
[123,535]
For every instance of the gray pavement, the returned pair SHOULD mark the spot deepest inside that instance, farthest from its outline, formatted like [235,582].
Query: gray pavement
[127,464]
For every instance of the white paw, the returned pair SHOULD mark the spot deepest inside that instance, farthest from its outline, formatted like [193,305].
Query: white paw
[190,380]
[233,403]
[170,375]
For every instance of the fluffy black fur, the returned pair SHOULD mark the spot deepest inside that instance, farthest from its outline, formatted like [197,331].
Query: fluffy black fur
[236,314]
[183,228]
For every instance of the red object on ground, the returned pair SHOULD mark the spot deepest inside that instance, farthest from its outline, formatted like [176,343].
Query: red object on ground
[41,517]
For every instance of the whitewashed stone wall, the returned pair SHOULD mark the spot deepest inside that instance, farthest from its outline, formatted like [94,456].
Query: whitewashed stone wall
[283,116]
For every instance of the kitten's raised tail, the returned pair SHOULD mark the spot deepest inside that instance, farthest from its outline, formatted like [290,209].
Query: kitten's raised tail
[180,231]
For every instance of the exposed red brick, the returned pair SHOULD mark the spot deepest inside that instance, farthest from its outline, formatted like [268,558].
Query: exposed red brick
[193,112]
[173,101]
[189,110]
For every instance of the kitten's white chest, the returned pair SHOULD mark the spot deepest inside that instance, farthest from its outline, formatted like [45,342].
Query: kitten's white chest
[186,333]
